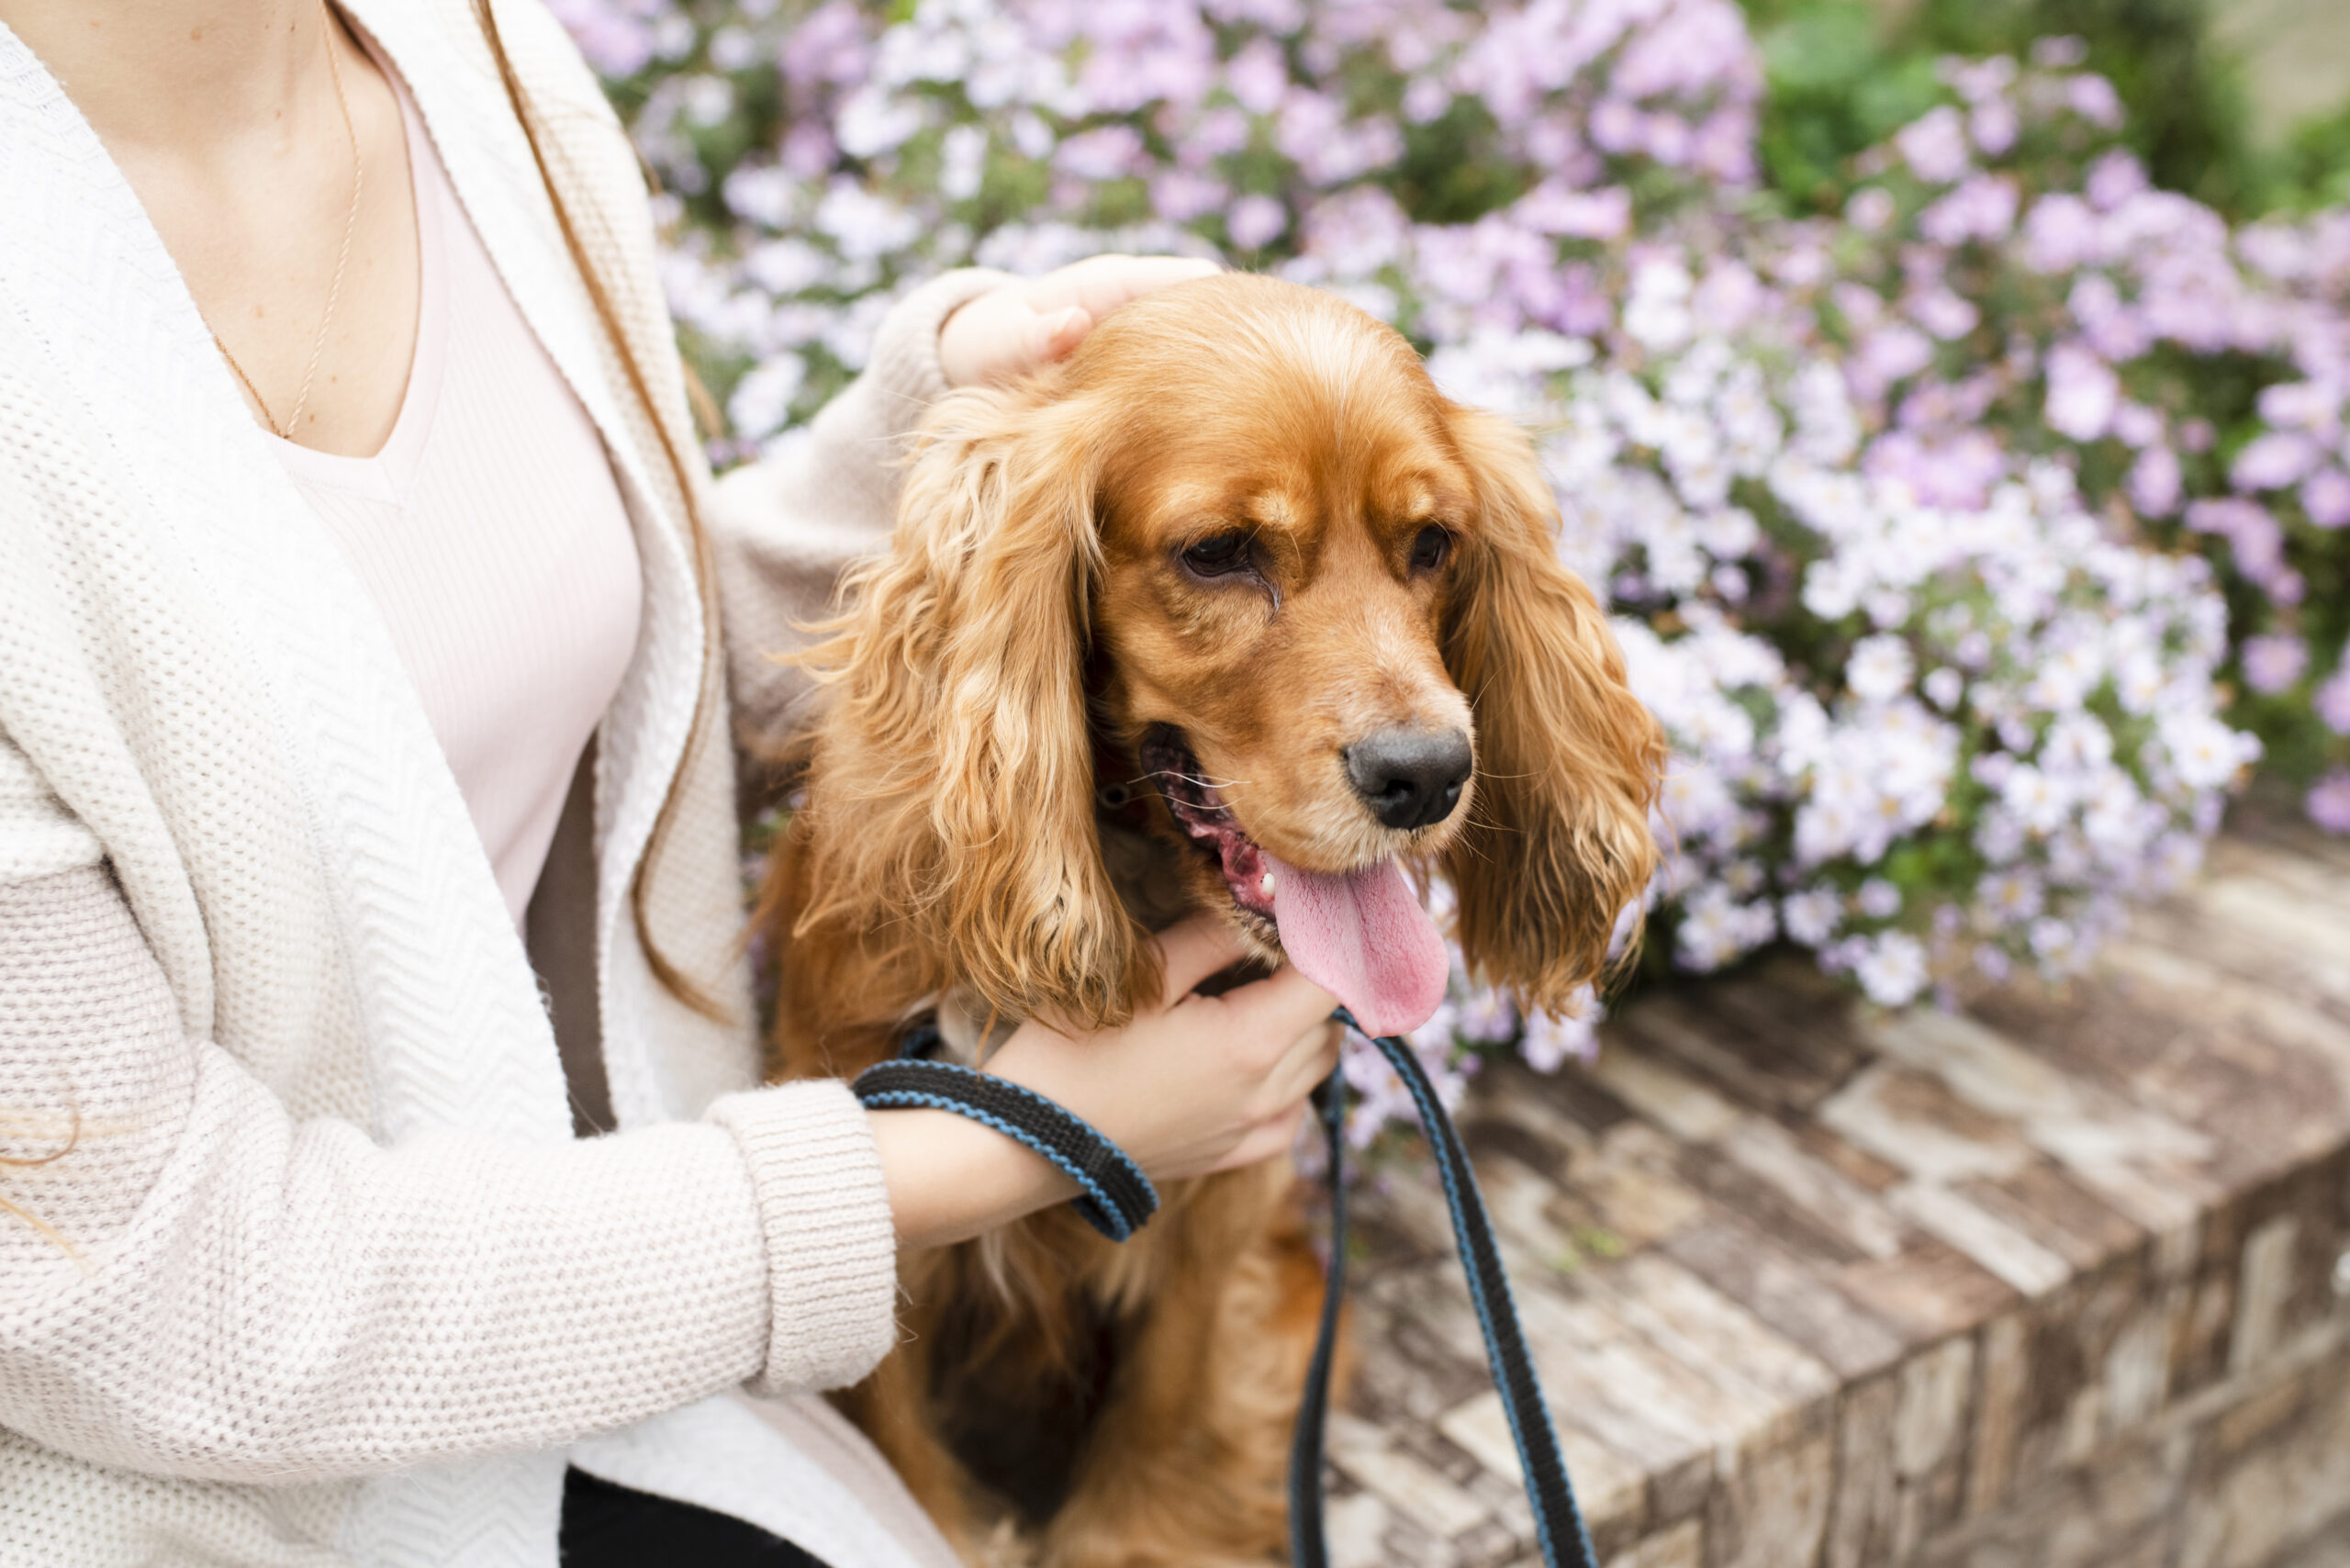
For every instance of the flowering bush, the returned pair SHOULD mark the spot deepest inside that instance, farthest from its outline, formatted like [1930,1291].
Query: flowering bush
[1947,537]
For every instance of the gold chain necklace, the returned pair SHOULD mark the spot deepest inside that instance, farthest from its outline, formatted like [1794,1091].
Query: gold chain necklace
[342,258]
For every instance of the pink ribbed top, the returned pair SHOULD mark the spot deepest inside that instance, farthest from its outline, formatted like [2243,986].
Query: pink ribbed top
[492,537]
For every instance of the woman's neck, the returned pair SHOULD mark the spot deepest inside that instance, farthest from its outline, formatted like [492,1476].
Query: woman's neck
[197,76]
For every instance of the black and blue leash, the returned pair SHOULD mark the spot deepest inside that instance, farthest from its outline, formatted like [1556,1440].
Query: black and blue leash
[1119,1198]
[1116,1197]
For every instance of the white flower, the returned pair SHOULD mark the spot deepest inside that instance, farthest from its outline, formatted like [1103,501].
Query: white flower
[2039,802]
[1893,969]
[1657,314]
[1549,1043]
[1811,917]
[1879,670]
[2011,898]
[2205,751]
[762,400]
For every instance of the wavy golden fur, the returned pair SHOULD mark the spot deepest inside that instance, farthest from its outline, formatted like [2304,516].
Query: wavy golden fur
[970,840]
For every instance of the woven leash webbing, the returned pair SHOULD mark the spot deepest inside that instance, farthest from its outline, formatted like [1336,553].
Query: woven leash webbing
[1115,1197]
[1558,1522]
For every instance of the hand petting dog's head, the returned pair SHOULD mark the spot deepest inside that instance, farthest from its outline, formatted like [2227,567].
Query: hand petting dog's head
[1240,536]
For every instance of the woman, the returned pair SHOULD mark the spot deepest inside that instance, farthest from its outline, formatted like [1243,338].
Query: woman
[359,677]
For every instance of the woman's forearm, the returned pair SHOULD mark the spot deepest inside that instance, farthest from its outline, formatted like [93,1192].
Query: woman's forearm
[198,1285]
[951,1179]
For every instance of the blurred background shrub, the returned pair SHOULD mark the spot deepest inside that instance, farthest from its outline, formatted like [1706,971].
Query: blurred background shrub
[1844,74]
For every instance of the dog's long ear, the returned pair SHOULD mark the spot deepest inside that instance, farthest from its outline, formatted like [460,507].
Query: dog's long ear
[1567,760]
[953,795]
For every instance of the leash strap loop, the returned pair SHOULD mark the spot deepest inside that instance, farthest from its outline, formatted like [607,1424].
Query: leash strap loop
[1557,1521]
[1117,1198]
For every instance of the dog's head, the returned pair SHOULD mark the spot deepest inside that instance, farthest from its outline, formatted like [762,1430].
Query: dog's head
[1240,539]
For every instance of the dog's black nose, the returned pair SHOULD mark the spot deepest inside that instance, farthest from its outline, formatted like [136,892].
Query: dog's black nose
[1410,778]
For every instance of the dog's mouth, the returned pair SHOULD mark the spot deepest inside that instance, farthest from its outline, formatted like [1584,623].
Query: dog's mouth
[1199,810]
[1360,934]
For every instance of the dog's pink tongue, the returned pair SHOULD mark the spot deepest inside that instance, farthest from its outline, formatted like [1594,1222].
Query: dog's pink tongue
[1364,938]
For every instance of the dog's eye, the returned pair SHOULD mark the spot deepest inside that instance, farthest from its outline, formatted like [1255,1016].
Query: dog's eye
[1430,549]
[1220,557]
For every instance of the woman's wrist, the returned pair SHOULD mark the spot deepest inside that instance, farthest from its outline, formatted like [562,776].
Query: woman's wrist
[950,1178]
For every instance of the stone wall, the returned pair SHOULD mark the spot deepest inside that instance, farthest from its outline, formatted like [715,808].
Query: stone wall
[2056,1282]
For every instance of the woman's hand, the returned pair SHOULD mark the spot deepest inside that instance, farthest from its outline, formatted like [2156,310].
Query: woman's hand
[1204,1084]
[1023,326]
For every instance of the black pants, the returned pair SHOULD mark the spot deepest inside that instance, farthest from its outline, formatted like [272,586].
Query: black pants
[606,1526]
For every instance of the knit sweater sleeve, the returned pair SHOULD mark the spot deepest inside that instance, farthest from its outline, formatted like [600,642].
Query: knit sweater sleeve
[786,527]
[194,1283]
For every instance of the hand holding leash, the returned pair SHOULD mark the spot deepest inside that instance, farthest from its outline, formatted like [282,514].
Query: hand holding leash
[1203,1083]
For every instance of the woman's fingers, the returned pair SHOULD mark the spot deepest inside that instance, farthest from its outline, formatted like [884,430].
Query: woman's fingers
[1055,332]
[1278,1009]
[1022,327]
[1273,1137]
[1102,284]
[1193,948]
[1311,1059]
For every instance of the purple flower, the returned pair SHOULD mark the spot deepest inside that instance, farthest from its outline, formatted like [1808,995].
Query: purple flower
[1890,353]
[1110,152]
[2134,424]
[2332,701]
[827,46]
[1871,210]
[2301,405]
[1982,209]
[2154,482]
[2061,234]
[2329,801]
[2118,331]
[1668,139]
[2254,538]
[1944,314]
[1956,469]
[1615,126]
[2274,461]
[2114,179]
[1725,149]
[1425,99]
[1551,207]
[616,38]
[1934,145]
[1255,220]
[1179,195]
[2093,98]
[2326,498]
[1729,297]
[2083,392]
[2274,662]
[1258,76]
[1994,126]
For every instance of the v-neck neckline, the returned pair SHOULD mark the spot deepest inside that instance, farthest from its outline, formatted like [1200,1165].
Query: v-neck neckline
[385,474]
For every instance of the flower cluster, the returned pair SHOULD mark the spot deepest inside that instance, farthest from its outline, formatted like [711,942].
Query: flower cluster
[814,158]
[1958,540]
[2016,290]
[1921,737]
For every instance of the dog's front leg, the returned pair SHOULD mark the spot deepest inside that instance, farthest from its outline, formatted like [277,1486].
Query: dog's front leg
[1187,1467]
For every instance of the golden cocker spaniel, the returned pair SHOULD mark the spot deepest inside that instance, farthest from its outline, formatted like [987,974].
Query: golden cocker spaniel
[1231,609]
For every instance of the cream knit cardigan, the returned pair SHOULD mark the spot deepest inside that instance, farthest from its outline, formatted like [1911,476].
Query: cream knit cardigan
[321,1275]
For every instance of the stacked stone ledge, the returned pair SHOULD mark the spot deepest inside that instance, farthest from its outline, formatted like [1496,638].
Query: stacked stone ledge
[2056,1282]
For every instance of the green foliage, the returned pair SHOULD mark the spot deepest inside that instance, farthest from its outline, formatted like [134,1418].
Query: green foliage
[2314,169]
[1845,74]
[1840,82]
